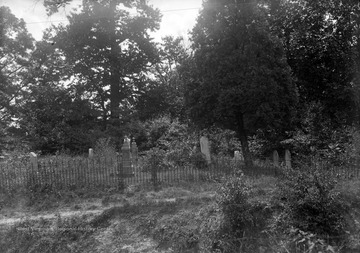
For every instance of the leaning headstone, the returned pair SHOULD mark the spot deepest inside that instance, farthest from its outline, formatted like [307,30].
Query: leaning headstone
[287,159]
[205,148]
[276,158]
[91,153]
[126,159]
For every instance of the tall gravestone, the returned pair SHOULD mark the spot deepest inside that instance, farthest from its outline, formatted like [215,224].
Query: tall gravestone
[126,170]
[276,158]
[91,153]
[287,159]
[33,161]
[205,148]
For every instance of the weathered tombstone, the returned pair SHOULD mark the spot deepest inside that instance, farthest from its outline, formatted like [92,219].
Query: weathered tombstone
[276,158]
[237,156]
[205,148]
[91,153]
[287,159]
[126,158]
[134,153]
[33,161]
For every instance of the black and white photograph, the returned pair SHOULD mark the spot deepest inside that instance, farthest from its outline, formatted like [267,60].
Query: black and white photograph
[180,126]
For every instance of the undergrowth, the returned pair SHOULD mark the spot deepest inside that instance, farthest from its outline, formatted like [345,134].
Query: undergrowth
[304,211]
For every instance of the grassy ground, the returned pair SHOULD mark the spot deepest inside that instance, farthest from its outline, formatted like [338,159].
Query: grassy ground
[172,219]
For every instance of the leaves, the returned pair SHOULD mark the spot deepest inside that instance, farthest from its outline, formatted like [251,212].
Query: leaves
[319,40]
[110,51]
[241,79]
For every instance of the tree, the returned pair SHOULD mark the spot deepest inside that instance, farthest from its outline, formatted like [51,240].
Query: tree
[110,50]
[54,121]
[240,77]
[320,41]
[53,115]
[16,45]
[164,92]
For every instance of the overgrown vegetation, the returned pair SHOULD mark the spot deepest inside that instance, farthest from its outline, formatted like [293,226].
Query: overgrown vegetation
[299,212]
[258,76]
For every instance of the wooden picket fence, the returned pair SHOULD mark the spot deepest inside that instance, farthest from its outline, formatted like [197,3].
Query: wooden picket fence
[61,173]
[90,173]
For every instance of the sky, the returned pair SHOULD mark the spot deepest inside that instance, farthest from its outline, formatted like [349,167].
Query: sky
[179,16]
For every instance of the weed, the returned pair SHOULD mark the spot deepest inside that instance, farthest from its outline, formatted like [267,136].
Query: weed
[309,202]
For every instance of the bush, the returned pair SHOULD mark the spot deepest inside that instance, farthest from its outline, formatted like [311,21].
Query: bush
[240,221]
[299,241]
[198,160]
[154,160]
[104,148]
[309,202]
[233,201]
[223,141]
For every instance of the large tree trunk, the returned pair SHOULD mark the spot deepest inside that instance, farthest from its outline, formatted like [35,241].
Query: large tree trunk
[244,141]
[114,68]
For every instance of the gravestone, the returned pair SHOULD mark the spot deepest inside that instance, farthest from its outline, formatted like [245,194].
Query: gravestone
[126,170]
[91,153]
[205,148]
[287,159]
[33,161]
[276,158]
[237,156]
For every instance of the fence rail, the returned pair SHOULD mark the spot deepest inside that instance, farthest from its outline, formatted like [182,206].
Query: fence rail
[108,172]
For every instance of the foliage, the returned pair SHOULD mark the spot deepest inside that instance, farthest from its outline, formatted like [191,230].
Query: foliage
[153,161]
[318,139]
[223,141]
[164,95]
[310,203]
[16,45]
[318,37]
[241,79]
[241,221]
[54,120]
[174,138]
[110,51]
[233,201]
[300,241]
[105,148]
[155,129]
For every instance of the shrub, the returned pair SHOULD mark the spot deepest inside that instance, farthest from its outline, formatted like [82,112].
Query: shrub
[198,160]
[309,203]
[154,160]
[223,141]
[105,148]
[241,220]
[299,241]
